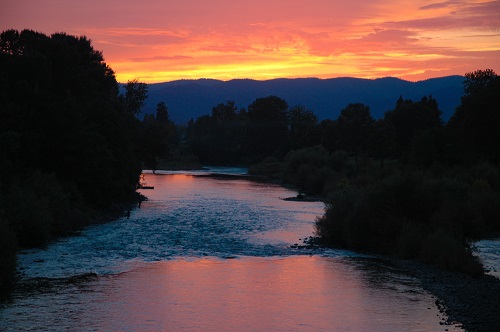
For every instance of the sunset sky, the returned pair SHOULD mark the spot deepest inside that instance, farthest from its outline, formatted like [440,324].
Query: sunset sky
[165,40]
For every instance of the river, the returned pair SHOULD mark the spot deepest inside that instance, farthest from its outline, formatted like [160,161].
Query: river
[212,254]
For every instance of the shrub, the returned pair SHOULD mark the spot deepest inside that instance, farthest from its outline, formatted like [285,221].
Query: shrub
[30,216]
[270,166]
[334,227]
[449,252]
[484,171]
[401,196]
[309,169]
[411,216]
[340,161]
[8,249]
[486,204]
[425,149]
[316,156]
[38,207]
[410,240]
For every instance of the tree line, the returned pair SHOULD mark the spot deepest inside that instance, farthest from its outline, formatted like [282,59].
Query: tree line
[269,128]
[407,184]
[72,146]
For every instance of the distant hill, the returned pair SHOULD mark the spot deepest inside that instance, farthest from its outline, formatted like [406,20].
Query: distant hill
[188,99]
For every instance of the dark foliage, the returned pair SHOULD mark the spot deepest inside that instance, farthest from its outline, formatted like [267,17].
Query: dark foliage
[135,96]
[476,121]
[229,136]
[354,128]
[409,119]
[442,192]
[72,146]
[8,250]
[428,199]
[405,185]
[155,137]
[326,97]
[218,138]
[67,141]
[412,215]
[314,170]
[266,128]
[303,128]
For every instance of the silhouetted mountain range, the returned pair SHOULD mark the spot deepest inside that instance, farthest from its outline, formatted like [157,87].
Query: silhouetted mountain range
[188,99]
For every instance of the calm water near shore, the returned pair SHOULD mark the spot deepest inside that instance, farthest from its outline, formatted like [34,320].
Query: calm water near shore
[489,252]
[212,254]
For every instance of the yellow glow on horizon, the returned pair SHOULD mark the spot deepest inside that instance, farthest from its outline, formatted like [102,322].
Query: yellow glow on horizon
[162,41]
[411,40]
[291,67]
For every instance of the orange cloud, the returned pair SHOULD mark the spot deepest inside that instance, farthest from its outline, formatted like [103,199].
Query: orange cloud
[164,40]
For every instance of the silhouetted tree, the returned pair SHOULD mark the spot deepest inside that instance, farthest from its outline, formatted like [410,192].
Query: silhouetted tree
[67,145]
[303,127]
[477,119]
[224,113]
[354,127]
[267,128]
[200,136]
[63,123]
[410,118]
[329,134]
[478,80]
[382,141]
[162,113]
[10,42]
[217,138]
[135,95]
[157,134]
[427,147]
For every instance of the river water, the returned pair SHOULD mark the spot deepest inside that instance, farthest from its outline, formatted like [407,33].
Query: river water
[212,254]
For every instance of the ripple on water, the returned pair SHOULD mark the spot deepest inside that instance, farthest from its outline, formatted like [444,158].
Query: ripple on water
[211,254]
[489,253]
[184,216]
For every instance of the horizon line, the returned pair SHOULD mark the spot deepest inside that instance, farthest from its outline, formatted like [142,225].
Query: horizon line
[294,78]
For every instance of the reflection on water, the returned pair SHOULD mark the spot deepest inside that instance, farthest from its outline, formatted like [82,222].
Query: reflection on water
[184,216]
[297,293]
[255,294]
[206,254]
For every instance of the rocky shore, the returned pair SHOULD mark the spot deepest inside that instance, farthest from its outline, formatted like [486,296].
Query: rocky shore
[471,302]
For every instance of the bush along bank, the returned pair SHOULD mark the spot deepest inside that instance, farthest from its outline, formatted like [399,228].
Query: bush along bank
[408,185]
[433,214]
[416,215]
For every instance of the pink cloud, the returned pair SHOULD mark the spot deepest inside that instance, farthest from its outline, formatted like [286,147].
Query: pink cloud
[463,14]
[274,37]
[161,58]
[445,4]
[392,35]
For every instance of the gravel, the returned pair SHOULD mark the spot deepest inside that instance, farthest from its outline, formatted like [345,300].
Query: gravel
[472,302]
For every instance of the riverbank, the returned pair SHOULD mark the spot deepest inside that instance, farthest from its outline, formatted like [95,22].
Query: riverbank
[472,302]
[9,247]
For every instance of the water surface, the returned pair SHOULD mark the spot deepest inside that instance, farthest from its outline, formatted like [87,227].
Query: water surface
[488,251]
[212,254]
